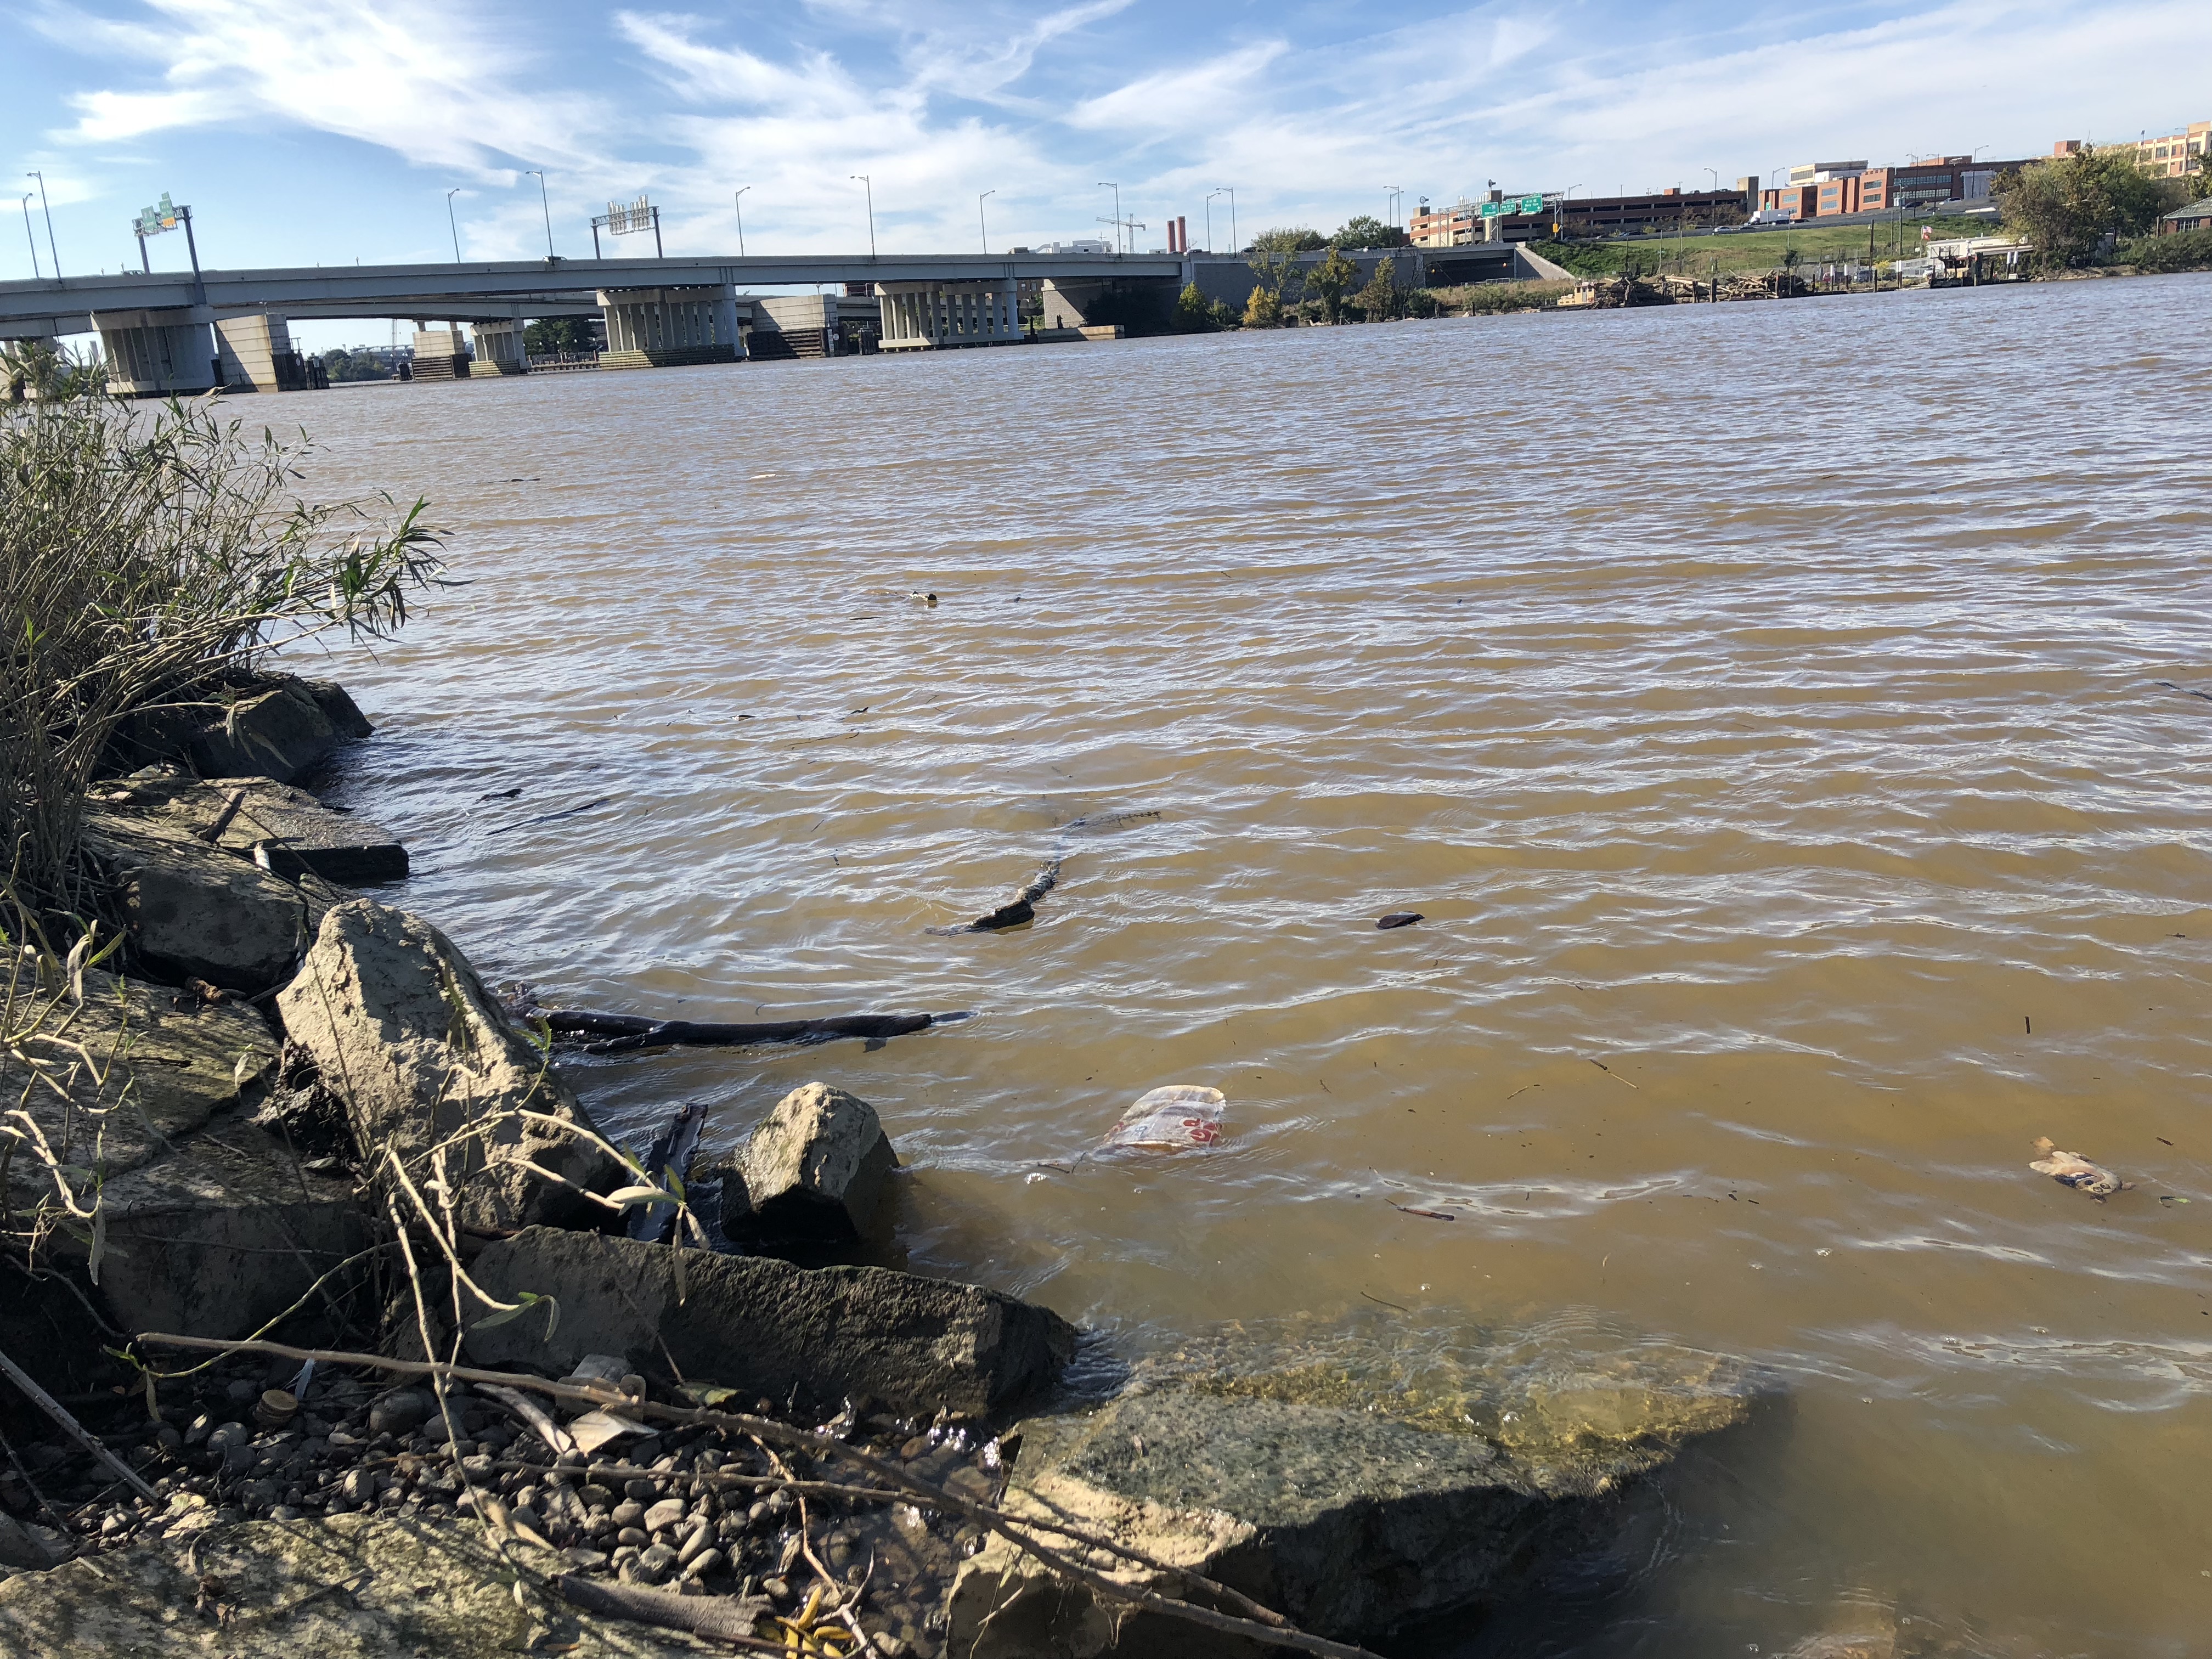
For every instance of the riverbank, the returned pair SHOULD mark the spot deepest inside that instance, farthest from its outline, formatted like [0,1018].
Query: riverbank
[722,1444]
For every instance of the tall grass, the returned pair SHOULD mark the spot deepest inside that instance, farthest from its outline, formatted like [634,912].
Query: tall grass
[147,556]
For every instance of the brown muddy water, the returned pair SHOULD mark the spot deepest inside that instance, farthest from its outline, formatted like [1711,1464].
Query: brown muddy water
[1760,704]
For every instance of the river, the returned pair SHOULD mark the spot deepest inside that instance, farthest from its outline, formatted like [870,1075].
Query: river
[1760,704]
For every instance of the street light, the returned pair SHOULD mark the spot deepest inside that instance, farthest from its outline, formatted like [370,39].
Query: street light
[532,173]
[1715,171]
[452,223]
[1209,195]
[36,275]
[981,228]
[1230,190]
[1389,206]
[1106,184]
[737,200]
[49,212]
[868,185]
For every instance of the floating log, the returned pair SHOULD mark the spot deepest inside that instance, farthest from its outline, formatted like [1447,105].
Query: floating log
[623,1034]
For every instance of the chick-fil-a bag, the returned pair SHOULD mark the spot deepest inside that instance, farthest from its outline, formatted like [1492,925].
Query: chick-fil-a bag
[1173,1119]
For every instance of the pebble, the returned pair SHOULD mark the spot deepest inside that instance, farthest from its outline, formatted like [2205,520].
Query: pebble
[643,1491]
[652,1564]
[666,1513]
[706,1562]
[633,1538]
[397,1413]
[629,1513]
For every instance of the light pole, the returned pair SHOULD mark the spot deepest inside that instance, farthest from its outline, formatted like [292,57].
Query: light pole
[738,201]
[36,275]
[1231,191]
[868,185]
[1389,206]
[453,224]
[49,212]
[1209,195]
[982,229]
[1107,184]
[532,173]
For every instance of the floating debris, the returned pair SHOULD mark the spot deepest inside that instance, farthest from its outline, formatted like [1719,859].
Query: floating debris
[1400,919]
[1173,1119]
[2072,1170]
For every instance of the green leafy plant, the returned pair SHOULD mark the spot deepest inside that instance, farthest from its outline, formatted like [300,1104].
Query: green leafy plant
[147,560]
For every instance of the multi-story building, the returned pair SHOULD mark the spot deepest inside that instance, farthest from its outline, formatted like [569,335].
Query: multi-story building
[2170,157]
[1451,227]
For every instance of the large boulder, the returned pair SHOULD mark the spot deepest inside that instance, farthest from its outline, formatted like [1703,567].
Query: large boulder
[1354,1525]
[404,1031]
[764,1327]
[351,1587]
[287,831]
[815,1166]
[166,1059]
[223,1234]
[279,727]
[194,912]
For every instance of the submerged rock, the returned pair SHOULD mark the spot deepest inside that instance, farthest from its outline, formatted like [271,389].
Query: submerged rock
[815,1165]
[1352,1525]
[764,1327]
[403,1031]
[351,1587]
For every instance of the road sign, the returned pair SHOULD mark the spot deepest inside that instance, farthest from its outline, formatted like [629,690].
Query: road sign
[1532,204]
[153,221]
[1491,210]
[622,221]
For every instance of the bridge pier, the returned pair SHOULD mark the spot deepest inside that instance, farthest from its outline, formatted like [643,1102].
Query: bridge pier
[941,316]
[158,354]
[1142,305]
[668,327]
[501,348]
[255,354]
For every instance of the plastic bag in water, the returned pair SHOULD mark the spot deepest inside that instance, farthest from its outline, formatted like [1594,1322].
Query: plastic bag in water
[1172,1118]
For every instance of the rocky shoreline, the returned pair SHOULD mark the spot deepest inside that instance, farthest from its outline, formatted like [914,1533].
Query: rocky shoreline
[316,1126]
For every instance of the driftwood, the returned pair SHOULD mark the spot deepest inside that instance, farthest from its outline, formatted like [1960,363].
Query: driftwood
[623,1034]
[726,1617]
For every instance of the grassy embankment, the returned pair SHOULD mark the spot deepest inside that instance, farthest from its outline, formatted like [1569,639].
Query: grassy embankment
[1814,244]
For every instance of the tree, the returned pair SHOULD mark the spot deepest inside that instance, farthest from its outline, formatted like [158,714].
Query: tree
[1273,256]
[1294,239]
[1265,308]
[548,335]
[1194,313]
[1329,279]
[2065,207]
[1365,230]
[1383,299]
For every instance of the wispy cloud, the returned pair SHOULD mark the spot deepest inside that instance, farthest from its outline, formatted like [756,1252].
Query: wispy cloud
[1309,113]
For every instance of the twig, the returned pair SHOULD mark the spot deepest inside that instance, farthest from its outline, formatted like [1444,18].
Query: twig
[534,1414]
[716,1616]
[59,1412]
[1265,1626]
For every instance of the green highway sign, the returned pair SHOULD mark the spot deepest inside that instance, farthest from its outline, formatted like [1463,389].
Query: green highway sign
[1532,204]
[153,221]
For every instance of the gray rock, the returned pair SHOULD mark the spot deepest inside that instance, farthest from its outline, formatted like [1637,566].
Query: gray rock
[223,1234]
[653,1562]
[182,1061]
[402,1412]
[666,1513]
[1354,1525]
[282,729]
[23,1547]
[284,830]
[764,1327]
[196,912]
[401,1028]
[352,1587]
[815,1165]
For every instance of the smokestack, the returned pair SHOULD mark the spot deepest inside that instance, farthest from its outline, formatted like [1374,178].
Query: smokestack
[1182,234]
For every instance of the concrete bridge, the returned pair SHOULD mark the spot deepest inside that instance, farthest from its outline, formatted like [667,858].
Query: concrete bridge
[185,332]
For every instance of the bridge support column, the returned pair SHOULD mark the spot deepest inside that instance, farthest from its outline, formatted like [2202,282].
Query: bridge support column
[256,354]
[501,348]
[158,354]
[938,316]
[1140,305]
[668,327]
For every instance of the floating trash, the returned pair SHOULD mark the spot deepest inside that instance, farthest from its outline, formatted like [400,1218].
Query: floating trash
[1173,1119]
[2072,1170]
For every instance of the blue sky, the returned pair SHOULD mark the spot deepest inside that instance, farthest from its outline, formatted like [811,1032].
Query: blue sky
[307,131]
